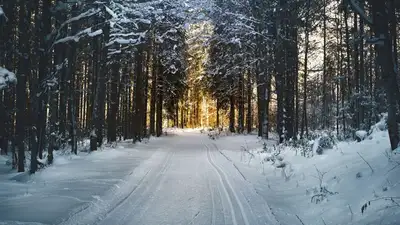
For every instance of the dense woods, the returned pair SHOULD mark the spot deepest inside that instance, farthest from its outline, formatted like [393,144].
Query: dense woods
[112,70]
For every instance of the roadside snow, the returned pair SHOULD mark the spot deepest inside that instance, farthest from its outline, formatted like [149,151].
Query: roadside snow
[72,182]
[330,188]
[361,134]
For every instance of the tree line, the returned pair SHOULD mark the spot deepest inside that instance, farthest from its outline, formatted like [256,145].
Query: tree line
[316,65]
[86,69]
[117,69]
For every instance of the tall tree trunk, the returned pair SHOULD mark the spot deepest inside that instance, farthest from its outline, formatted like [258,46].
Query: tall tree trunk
[23,73]
[145,94]
[249,107]
[361,76]
[280,71]
[137,126]
[324,75]
[261,103]
[96,85]
[348,58]
[101,90]
[386,61]
[356,105]
[44,65]
[154,94]
[304,122]
[241,104]
[114,103]
[217,112]
[232,114]
[7,120]
[71,74]
[160,100]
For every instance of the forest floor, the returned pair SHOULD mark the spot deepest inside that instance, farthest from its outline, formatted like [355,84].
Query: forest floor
[187,178]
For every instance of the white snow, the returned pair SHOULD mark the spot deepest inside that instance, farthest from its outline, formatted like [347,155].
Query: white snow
[361,134]
[6,78]
[112,13]
[187,178]
[290,190]
[315,145]
[50,195]
[1,11]
[3,14]
[96,33]
[177,179]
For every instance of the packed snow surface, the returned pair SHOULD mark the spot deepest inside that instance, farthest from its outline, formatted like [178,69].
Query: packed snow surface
[188,178]
[292,184]
[178,179]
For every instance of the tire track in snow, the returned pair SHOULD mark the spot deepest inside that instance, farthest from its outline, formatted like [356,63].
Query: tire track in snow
[227,185]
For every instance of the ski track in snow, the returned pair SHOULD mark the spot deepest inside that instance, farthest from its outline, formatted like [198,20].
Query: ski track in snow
[226,185]
[212,202]
[140,194]
[185,181]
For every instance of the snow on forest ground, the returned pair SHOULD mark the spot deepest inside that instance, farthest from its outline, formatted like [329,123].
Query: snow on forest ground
[348,183]
[292,192]
[69,184]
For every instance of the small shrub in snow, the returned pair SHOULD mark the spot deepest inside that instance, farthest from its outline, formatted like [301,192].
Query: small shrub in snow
[265,147]
[381,125]
[274,156]
[361,135]
[391,202]
[321,193]
[315,143]
[358,175]
[326,141]
[213,135]
[281,164]
[246,152]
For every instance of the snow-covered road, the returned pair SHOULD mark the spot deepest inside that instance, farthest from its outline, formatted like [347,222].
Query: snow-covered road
[182,183]
[185,181]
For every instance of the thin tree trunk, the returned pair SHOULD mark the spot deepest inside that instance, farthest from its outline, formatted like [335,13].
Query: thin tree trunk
[160,100]
[324,75]
[154,94]
[101,89]
[23,73]
[249,108]
[113,107]
[138,96]
[232,114]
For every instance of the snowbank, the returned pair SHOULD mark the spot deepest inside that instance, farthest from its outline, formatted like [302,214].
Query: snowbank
[353,183]
[72,182]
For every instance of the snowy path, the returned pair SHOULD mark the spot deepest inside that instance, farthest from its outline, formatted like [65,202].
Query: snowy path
[185,181]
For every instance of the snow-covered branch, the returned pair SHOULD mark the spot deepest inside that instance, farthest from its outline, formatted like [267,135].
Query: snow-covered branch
[7,78]
[2,14]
